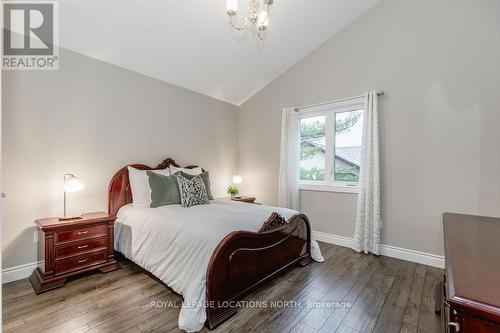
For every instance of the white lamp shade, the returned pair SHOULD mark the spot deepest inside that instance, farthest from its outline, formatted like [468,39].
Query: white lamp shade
[72,184]
[232,7]
[237,179]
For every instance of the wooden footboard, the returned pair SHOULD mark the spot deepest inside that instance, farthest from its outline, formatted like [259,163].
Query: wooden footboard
[244,260]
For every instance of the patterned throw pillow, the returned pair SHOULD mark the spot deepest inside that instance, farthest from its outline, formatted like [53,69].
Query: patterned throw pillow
[193,191]
[206,180]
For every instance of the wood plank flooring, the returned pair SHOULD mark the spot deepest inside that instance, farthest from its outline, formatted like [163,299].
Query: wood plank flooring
[349,292]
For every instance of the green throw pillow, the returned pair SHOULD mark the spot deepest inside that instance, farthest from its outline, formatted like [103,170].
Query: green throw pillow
[206,180]
[164,190]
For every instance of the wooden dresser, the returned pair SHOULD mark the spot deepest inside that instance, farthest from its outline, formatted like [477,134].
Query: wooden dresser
[67,248]
[472,280]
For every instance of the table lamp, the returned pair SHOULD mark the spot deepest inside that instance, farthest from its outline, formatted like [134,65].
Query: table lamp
[71,184]
[236,180]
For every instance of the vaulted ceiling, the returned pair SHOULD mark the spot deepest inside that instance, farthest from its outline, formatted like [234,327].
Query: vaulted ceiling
[190,43]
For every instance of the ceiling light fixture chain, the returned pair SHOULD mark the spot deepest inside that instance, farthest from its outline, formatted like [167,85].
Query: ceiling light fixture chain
[258,17]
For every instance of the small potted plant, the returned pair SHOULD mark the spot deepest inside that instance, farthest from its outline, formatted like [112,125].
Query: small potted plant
[233,191]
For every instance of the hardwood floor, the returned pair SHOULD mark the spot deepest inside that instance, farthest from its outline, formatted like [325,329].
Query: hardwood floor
[349,292]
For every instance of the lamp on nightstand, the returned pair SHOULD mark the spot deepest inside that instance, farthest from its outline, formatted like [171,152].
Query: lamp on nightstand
[233,190]
[71,184]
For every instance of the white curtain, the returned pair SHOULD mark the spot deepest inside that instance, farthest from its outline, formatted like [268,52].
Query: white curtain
[368,222]
[288,193]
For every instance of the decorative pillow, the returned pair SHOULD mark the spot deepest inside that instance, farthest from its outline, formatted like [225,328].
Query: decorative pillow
[164,190]
[139,184]
[206,180]
[193,191]
[193,171]
[273,222]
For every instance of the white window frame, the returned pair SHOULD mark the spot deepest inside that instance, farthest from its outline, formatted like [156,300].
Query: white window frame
[330,110]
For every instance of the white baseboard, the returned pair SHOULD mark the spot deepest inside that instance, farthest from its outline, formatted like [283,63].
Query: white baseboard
[332,239]
[18,272]
[385,250]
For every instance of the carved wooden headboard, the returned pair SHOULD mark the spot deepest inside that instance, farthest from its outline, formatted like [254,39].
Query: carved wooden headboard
[119,189]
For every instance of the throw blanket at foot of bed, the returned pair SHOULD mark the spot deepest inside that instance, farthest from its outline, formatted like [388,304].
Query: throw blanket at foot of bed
[244,260]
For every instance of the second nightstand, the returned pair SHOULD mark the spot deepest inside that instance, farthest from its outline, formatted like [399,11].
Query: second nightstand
[67,248]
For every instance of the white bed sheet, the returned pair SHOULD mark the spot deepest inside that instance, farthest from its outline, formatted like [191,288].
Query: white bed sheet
[175,244]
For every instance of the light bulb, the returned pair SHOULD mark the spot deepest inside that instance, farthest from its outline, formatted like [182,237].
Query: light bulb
[262,20]
[232,7]
[237,179]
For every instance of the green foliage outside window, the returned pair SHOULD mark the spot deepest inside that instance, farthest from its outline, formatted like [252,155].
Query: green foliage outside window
[345,125]
[312,174]
[310,134]
[346,173]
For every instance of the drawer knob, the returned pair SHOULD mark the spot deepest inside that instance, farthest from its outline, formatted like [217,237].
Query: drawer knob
[83,232]
[82,261]
[455,325]
[83,246]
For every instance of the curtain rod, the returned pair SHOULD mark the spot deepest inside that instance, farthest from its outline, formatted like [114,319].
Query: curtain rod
[379,93]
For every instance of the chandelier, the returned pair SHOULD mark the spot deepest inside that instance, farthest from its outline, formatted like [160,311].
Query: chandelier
[258,17]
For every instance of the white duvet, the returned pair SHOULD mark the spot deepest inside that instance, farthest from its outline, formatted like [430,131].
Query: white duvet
[175,244]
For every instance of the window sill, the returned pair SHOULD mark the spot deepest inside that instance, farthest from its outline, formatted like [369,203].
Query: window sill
[324,188]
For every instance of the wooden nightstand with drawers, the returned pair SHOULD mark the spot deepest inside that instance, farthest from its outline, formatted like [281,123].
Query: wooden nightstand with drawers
[68,248]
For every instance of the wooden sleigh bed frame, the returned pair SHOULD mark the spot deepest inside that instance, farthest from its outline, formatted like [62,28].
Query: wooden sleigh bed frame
[243,260]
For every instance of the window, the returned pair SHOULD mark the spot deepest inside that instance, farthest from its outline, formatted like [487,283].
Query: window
[312,148]
[330,145]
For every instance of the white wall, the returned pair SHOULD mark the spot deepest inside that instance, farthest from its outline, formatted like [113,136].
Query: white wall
[91,118]
[438,62]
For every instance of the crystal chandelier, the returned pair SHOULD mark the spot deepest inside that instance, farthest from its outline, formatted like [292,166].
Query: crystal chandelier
[258,18]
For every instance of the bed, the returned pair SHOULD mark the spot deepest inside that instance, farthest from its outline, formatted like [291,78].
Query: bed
[212,254]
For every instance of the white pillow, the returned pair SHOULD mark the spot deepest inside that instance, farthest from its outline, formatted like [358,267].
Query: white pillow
[193,171]
[139,184]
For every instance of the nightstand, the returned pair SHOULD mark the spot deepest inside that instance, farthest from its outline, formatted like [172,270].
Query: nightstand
[68,248]
[245,199]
